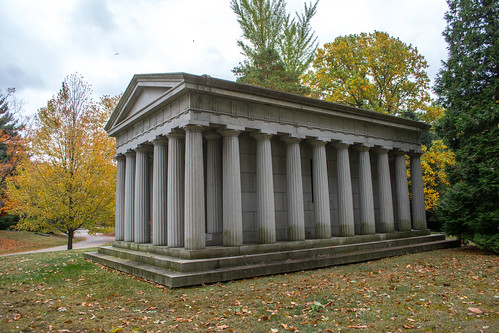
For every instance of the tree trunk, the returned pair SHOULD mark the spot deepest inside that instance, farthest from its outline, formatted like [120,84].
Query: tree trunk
[70,239]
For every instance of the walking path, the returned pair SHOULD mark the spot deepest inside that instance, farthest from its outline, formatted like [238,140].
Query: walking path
[90,241]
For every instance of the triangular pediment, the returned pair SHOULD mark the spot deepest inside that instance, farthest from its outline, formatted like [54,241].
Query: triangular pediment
[143,91]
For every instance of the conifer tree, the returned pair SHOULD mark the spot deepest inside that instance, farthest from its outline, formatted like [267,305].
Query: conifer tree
[278,48]
[468,87]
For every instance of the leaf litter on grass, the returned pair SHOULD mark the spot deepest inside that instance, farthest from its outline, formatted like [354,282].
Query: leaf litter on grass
[435,291]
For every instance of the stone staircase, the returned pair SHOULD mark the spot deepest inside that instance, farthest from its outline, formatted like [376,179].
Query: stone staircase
[179,267]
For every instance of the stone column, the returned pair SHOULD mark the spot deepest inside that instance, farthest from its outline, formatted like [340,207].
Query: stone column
[366,200]
[232,205]
[321,190]
[345,196]
[296,215]
[142,204]
[385,192]
[120,197]
[214,222]
[129,196]
[175,190]
[418,203]
[194,210]
[265,189]
[402,193]
[159,192]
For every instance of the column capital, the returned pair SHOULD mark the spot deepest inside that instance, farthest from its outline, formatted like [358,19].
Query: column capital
[381,150]
[160,140]
[193,128]
[317,142]
[341,145]
[398,152]
[144,148]
[415,154]
[229,132]
[362,147]
[211,135]
[120,157]
[175,135]
[130,153]
[262,136]
[291,139]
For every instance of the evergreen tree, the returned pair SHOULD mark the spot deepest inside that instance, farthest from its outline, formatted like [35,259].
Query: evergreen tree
[468,88]
[278,49]
[10,138]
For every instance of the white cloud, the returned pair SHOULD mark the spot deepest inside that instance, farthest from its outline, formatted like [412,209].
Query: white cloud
[44,41]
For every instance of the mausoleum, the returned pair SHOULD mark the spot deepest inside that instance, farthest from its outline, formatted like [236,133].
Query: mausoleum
[218,180]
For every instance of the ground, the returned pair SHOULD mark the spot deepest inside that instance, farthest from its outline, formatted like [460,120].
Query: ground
[28,242]
[454,290]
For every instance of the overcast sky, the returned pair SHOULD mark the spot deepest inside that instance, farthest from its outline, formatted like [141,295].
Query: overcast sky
[107,41]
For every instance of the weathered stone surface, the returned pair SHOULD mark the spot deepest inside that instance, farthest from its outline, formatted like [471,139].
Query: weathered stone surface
[176,272]
[246,171]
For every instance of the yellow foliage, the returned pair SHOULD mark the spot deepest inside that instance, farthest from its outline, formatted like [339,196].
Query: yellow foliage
[434,161]
[371,71]
[68,181]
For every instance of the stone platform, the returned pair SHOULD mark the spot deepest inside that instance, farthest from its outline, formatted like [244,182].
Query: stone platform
[178,267]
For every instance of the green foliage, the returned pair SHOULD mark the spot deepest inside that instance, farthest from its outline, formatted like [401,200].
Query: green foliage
[268,70]
[468,88]
[8,221]
[278,49]
[10,138]
[372,71]
[9,126]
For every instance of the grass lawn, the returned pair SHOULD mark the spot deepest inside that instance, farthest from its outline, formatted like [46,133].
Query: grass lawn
[22,241]
[454,290]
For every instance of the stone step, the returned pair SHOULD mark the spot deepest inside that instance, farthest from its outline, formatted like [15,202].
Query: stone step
[192,265]
[248,249]
[174,279]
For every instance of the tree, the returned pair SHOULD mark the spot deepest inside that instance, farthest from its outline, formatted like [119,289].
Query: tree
[371,71]
[467,86]
[278,49]
[10,138]
[68,181]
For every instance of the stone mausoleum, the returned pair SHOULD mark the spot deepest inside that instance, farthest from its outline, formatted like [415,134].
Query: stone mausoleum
[218,180]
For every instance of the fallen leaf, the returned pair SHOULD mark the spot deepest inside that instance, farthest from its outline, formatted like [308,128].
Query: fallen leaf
[475,310]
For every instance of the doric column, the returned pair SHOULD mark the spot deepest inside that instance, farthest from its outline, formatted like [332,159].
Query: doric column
[385,192]
[402,193]
[142,204]
[175,190]
[214,215]
[120,197]
[265,189]
[345,196]
[194,210]
[296,217]
[418,203]
[321,190]
[129,195]
[232,206]
[159,192]
[366,200]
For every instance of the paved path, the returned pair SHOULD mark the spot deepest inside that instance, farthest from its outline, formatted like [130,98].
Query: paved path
[90,241]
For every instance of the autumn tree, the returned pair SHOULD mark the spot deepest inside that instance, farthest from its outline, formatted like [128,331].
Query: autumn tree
[468,87]
[371,71]
[278,48]
[68,181]
[380,73]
